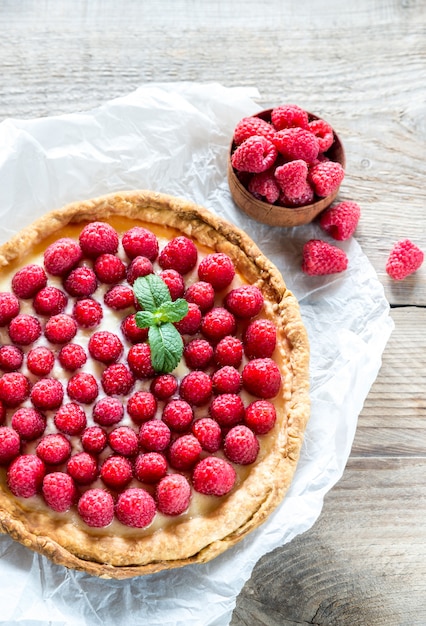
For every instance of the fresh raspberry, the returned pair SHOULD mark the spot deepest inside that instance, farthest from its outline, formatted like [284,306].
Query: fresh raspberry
[213,476]
[53,449]
[190,324]
[262,378]
[196,388]
[241,445]
[227,379]
[289,116]
[11,358]
[105,347]
[292,178]
[173,494]
[82,387]
[2,412]
[150,467]
[70,419]
[229,351]
[256,154]
[404,259]
[40,360]
[120,297]
[139,360]
[245,301]
[59,491]
[14,388]
[260,339]
[297,144]
[164,386]
[87,313]
[94,440]
[96,508]
[323,132]
[47,393]
[217,323]
[201,293]
[179,254]
[117,380]
[72,356]
[131,330]
[28,280]
[25,475]
[139,241]
[109,269]
[124,440]
[249,126]
[60,328]
[340,221]
[139,267]
[116,471]
[260,416]
[306,195]
[98,238]
[135,508]
[10,444]
[81,282]
[62,256]
[50,301]
[227,409]
[320,258]
[184,452]
[154,436]
[9,307]
[108,411]
[142,406]
[24,329]
[208,433]
[174,282]
[178,415]
[264,186]
[326,177]
[83,468]
[217,269]
[198,354]
[28,423]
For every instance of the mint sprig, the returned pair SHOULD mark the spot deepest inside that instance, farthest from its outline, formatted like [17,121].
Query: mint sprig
[159,313]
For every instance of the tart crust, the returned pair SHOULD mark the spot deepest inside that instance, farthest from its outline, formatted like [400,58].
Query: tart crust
[192,539]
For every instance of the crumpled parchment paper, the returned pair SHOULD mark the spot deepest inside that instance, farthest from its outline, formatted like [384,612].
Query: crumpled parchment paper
[174,138]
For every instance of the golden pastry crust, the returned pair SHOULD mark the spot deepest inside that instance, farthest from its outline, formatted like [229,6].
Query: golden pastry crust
[196,539]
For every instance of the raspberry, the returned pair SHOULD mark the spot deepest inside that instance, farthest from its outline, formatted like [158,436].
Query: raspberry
[229,351]
[341,220]
[184,452]
[179,254]
[305,195]
[94,439]
[178,415]
[25,475]
[154,436]
[11,358]
[142,406]
[47,393]
[108,411]
[53,449]
[50,301]
[227,409]
[217,323]
[117,380]
[245,301]
[131,330]
[10,444]
[72,356]
[83,468]
[288,116]
[217,269]
[320,258]
[150,467]
[198,354]
[116,471]
[213,476]
[241,445]
[81,282]
[14,388]
[82,387]
[2,413]
[140,266]
[260,339]
[256,154]
[139,241]
[120,297]
[164,386]
[297,143]
[105,347]
[135,507]
[28,423]
[139,360]
[109,269]
[59,491]
[227,379]
[326,177]
[87,313]
[124,440]
[208,433]
[263,186]
[190,324]
[96,508]
[196,388]
[404,259]
[70,419]
[98,238]
[292,177]
[62,256]
[60,328]
[28,280]
[174,282]
[9,307]
[24,329]
[260,416]
[201,293]
[249,126]
[40,360]
[262,378]
[323,132]
[173,494]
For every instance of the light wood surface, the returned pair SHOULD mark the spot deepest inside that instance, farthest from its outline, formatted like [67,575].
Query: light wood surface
[363,66]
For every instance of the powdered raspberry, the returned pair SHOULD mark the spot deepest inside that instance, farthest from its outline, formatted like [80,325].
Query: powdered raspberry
[98,238]
[288,116]
[404,259]
[116,471]
[154,436]
[249,126]
[11,358]
[217,323]
[323,132]
[190,324]
[62,256]
[87,313]
[140,266]
[108,411]
[256,154]
[70,419]
[260,416]
[174,282]
[227,379]
[53,449]
[292,177]
[320,258]
[262,378]
[245,301]
[139,360]
[105,347]
[25,475]
[83,468]
[178,415]
[150,467]
[217,269]
[340,221]
[173,494]
[59,491]
[196,388]
[135,507]
[123,440]
[47,393]
[241,445]
[142,406]
[109,269]
[28,280]
[40,360]
[14,388]
[10,444]
[81,282]
[120,297]
[50,301]
[260,339]
[326,177]
[72,356]
[297,143]
[82,387]
[202,294]
[213,476]
[305,195]
[94,439]
[229,351]
[179,254]
[96,508]
[208,433]
[28,423]
[227,409]
[9,307]
[131,330]
[264,186]
[139,241]
[164,386]
[117,380]
[60,328]
[24,329]
[184,452]
[198,354]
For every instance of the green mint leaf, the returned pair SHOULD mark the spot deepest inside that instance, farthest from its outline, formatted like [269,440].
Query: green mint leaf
[145,319]
[151,292]
[166,347]
[172,311]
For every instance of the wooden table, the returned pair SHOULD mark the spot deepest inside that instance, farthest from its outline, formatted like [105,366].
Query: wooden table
[362,65]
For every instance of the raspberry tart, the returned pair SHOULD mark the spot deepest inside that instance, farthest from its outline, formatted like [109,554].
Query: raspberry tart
[154,386]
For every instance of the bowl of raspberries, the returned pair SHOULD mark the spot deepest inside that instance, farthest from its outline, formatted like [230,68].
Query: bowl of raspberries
[285,165]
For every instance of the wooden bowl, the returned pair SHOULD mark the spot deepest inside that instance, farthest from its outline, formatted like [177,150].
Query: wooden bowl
[274,214]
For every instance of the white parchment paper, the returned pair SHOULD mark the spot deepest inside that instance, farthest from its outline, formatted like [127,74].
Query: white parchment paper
[174,138]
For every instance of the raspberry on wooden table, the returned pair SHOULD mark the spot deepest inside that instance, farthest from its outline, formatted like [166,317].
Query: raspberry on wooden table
[140,266]
[213,476]
[24,329]
[120,297]
[227,379]
[70,418]
[260,416]
[9,307]
[87,313]
[260,338]
[81,282]
[150,467]
[139,241]
[83,468]
[62,256]
[180,254]
[241,445]
[29,423]
[326,177]
[196,388]
[25,475]
[124,440]
[164,386]
[404,259]
[116,471]
[208,433]
[229,351]
[201,293]
[256,154]
[227,409]
[117,380]
[61,328]
[108,411]
[154,435]
[47,393]
[135,507]
[10,444]
[96,508]
[340,221]
[142,406]
[198,354]
[40,360]
[28,281]
[131,330]
[322,258]
[288,116]
[262,378]
[94,439]
[217,269]
[173,494]
[53,449]
[264,186]
[14,388]
[297,144]
[72,356]
[109,269]
[217,323]
[174,282]
[50,301]
[11,358]
[98,238]
[105,346]
[249,126]
[83,387]
[59,491]
[245,301]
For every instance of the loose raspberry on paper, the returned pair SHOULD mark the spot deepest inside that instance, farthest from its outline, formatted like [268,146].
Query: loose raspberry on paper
[213,476]
[135,507]
[250,126]
[173,494]
[404,259]
[25,475]
[62,256]
[256,154]
[322,258]
[340,221]
[297,143]
[288,116]
[263,186]
[326,177]
[96,508]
